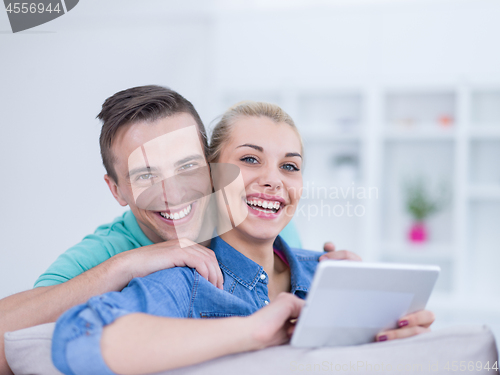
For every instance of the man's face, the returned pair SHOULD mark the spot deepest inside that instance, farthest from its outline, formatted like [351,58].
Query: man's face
[163,176]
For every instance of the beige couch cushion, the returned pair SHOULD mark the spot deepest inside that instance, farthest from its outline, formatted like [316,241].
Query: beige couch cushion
[28,352]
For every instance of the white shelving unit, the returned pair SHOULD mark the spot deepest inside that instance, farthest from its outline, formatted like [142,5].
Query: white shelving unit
[375,138]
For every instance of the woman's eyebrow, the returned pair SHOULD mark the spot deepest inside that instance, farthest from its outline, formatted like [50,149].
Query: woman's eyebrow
[290,154]
[258,148]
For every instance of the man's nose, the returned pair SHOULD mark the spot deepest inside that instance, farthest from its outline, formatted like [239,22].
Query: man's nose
[175,192]
[184,188]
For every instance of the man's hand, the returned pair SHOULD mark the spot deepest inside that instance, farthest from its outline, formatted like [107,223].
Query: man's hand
[410,325]
[274,324]
[174,253]
[332,253]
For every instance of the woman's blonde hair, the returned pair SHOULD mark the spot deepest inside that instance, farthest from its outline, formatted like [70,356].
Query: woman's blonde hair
[248,108]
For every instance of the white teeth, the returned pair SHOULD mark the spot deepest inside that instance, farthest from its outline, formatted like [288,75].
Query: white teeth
[269,205]
[261,210]
[177,215]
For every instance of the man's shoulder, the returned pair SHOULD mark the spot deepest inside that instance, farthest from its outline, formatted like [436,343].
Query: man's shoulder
[116,227]
[108,240]
[123,233]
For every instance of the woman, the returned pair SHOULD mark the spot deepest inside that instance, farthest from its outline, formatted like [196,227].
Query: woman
[111,333]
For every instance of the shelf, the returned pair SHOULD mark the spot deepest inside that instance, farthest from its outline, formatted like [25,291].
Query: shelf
[472,304]
[420,134]
[417,252]
[482,193]
[329,136]
[484,132]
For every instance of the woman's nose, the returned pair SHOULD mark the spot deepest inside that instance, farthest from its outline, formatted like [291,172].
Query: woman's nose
[271,179]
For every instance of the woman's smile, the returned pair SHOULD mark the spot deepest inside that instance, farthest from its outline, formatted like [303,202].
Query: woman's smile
[265,206]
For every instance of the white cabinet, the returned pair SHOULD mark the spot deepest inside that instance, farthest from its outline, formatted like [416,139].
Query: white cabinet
[362,144]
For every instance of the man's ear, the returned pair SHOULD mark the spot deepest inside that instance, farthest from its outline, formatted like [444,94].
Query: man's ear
[113,187]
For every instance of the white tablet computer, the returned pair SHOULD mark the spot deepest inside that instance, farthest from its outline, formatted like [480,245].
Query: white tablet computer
[350,302]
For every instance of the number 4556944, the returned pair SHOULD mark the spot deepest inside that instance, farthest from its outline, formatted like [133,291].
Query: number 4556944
[32,8]
[470,366]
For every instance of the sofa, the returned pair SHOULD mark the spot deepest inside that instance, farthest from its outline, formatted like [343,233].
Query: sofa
[445,351]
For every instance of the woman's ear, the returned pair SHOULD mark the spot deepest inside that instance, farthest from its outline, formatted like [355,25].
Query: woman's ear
[115,190]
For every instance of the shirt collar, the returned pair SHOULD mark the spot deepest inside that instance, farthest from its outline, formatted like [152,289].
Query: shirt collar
[300,280]
[247,272]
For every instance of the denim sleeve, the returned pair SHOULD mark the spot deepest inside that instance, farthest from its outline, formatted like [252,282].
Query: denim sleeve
[76,341]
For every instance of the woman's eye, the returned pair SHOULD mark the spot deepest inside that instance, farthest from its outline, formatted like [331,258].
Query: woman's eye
[249,160]
[290,167]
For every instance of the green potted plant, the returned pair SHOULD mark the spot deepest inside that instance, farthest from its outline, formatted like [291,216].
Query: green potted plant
[420,205]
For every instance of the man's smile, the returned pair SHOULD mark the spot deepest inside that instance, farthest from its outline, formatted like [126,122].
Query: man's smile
[177,213]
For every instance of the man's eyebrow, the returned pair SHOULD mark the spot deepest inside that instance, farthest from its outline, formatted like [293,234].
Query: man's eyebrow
[154,169]
[291,154]
[194,157]
[258,148]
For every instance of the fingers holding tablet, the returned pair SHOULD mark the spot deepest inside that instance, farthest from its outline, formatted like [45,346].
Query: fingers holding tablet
[410,325]
[423,318]
[401,333]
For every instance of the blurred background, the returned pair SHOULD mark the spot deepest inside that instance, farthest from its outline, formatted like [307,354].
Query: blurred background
[398,102]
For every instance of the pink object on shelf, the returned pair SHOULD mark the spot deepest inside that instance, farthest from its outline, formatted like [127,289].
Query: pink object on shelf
[418,233]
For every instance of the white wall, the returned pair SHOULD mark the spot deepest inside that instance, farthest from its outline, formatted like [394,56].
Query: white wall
[55,77]
[53,82]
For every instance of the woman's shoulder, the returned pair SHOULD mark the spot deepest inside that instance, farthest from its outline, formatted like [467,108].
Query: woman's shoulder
[306,254]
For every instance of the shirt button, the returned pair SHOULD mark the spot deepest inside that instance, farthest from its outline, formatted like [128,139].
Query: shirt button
[262,277]
[266,302]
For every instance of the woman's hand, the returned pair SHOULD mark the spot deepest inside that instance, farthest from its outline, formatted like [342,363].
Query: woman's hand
[332,253]
[274,324]
[410,325]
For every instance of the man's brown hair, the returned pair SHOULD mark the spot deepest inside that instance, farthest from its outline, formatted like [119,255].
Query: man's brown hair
[142,103]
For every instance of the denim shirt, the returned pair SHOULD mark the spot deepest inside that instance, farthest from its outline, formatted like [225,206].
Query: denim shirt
[175,292]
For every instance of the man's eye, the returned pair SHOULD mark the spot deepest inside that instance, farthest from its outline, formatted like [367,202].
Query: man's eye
[249,160]
[187,166]
[146,176]
[290,167]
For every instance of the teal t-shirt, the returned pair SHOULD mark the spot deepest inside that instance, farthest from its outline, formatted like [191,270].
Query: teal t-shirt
[108,240]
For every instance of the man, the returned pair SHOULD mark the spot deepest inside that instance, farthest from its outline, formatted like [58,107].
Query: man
[140,242]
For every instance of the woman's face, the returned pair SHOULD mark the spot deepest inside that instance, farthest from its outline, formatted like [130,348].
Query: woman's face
[269,157]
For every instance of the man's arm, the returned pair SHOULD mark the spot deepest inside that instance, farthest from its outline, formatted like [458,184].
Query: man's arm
[46,304]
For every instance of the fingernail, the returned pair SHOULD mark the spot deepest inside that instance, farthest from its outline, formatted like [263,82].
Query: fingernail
[382,338]
[403,323]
